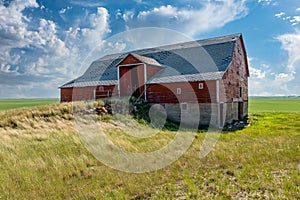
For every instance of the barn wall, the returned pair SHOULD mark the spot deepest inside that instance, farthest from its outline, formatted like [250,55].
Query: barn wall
[66,94]
[141,80]
[190,92]
[125,81]
[86,93]
[130,60]
[151,70]
[127,87]
[77,94]
[106,91]
[235,77]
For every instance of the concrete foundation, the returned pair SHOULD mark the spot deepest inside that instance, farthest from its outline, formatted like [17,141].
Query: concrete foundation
[205,114]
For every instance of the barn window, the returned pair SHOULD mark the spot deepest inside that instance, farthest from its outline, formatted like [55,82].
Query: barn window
[200,86]
[241,91]
[184,106]
[178,91]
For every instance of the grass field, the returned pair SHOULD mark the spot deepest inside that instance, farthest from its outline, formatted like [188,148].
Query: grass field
[266,104]
[7,104]
[41,156]
[261,104]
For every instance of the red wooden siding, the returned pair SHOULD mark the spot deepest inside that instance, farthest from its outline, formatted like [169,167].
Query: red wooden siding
[125,81]
[127,75]
[129,60]
[106,91]
[86,93]
[131,77]
[151,70]
[190,92]
[77,94]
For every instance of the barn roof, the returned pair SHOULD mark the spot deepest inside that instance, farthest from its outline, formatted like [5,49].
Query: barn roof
[190,61]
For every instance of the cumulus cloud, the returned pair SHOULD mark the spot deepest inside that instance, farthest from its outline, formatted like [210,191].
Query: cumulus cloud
[257,73]
[43,52]
[290,42]
[280,15]
[263,78]
[295,20]
[191,21]
[264,81]
[13,26]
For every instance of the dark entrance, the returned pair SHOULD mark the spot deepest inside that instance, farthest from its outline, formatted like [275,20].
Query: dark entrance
[240,110]
[135,82]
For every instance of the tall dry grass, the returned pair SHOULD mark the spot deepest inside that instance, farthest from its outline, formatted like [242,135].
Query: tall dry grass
[42,157]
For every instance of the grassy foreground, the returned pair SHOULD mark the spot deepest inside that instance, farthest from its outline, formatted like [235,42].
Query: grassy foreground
[41,156]
[7,104]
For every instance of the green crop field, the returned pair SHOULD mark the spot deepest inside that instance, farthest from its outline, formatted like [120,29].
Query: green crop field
[266,104]
[7,104]
[261,104]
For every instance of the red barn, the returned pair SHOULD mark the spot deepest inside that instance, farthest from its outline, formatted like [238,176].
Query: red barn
[208,76]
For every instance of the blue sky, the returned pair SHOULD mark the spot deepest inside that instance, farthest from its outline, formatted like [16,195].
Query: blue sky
[43,43]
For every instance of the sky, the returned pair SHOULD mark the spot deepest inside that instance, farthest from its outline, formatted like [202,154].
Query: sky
[43,43]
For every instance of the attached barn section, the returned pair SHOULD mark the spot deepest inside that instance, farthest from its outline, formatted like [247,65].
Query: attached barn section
[205,81]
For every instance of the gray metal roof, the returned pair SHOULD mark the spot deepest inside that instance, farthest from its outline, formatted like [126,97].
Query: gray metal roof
[208,76]
[192,61]
[89,83]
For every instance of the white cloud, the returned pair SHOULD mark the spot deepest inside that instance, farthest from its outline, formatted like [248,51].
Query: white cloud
[192,21]
[267,2]
[84,3]
[54,55]
[290,42]
[257,73]
[14,33]
[128,15]
[295,20]
[283,82]
[298,9]
[266,82]
[93,35]
[280,15]
[64,10]
[283,78]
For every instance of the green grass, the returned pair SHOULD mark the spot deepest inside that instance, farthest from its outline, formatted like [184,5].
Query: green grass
[7,104]
[42,157]
[265,104]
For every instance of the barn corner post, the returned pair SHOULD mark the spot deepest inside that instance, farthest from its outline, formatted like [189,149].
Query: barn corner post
[218,104]
[145,81]
[118,75]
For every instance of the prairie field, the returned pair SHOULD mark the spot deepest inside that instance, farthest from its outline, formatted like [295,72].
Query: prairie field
[269,104]
[42,157]
[7,104]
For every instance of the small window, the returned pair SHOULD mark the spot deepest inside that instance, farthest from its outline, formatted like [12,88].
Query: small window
[101,88]
[178,91]
[200,86]
[241,91]
[184,106]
